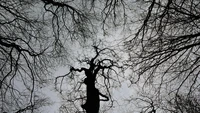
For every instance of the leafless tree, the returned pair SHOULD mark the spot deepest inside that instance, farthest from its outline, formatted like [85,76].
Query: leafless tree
[22,54]
[35,36]
[100,74]
[30,44]
[164,52]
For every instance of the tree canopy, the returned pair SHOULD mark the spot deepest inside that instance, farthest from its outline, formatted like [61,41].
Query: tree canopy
[165,49]
[158,51]
[35,37]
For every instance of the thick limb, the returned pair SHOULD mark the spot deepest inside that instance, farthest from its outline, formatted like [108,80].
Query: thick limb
[105,97]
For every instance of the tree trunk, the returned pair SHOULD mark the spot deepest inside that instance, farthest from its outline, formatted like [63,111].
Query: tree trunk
[93,100]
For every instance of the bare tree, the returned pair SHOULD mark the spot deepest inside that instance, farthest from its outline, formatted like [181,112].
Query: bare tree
[164,52]
[30,45]
[35,36]
[101,75]
[22,55]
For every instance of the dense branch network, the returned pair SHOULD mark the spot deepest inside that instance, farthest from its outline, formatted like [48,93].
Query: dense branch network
[97,68]
[23,61]
[164,51]
[66,17]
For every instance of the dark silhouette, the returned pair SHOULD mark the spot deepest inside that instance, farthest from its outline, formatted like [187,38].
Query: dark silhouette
[169,37]
[96,65]
[93,100]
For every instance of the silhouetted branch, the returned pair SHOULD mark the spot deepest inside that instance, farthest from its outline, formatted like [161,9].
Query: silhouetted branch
[164,52]
[98,67]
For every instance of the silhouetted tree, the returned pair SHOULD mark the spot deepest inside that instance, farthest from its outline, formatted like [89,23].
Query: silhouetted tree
[164,52]
[23,60]
[100,74]
[33,36]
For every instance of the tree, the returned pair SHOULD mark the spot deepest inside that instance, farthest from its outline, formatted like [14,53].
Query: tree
[164,51]
[34,37]
[22,55]
[30,45]
[101,75]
